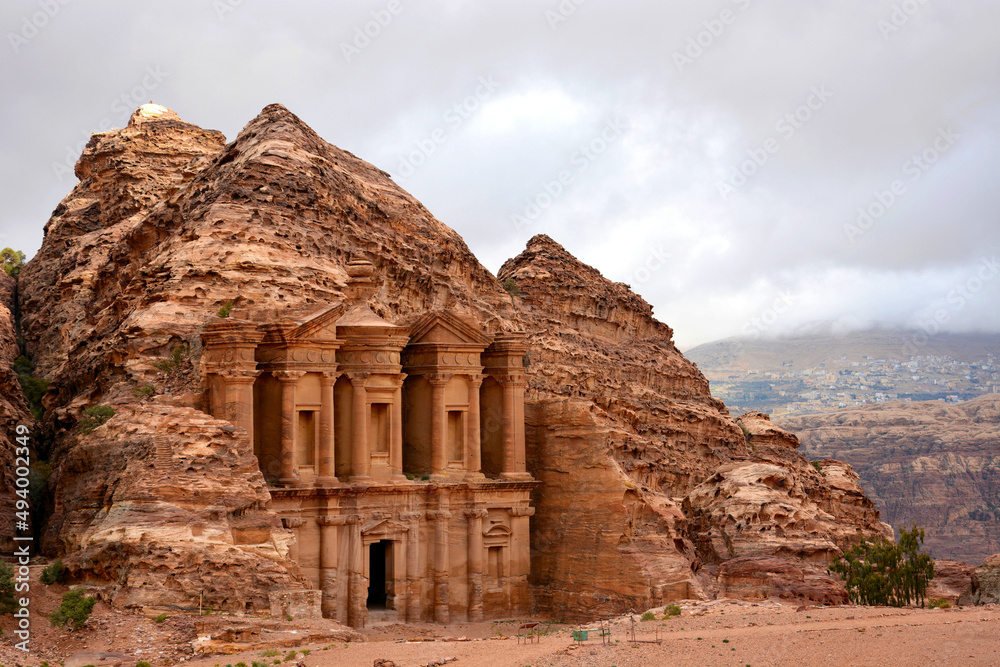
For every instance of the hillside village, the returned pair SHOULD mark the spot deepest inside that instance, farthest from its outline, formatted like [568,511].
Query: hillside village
[844,382]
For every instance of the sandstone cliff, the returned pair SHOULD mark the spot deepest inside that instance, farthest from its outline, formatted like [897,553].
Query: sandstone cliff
[932,463]
[13,412]
[646,482]
[645,477]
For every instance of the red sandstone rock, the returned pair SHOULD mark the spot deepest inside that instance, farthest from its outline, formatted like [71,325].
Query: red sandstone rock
[761,577]
[985,588]
[952,581]
[13,412]
[168,224]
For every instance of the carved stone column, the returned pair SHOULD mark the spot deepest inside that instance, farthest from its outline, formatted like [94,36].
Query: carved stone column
[357,584]
[396,437]
[441,566]
[439,462]
[413,578]
[327,463]
[514,465]
[239,398]
[474,453]
[361,459]
[509,455]
[288,380]
[329,561]
[475,560]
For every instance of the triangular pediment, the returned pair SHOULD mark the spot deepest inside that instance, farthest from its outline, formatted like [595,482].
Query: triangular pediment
[443,328]
[321,324]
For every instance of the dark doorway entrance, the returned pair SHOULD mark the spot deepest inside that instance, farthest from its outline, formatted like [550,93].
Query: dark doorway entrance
[380,575]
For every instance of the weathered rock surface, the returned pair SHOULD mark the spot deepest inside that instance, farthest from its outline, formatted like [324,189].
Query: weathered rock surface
[932,463]
[759,577]
[985,588]
[647,483]
[952,581]
[13,412]
[629,445]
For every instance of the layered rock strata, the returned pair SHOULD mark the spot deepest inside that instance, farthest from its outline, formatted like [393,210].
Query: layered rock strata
[931,463]
[647,482]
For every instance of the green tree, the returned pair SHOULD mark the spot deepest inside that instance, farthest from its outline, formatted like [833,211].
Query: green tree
[11,261]
[74,610]
[881,572]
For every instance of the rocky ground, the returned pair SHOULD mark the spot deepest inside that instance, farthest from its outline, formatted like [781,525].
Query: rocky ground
[722,632]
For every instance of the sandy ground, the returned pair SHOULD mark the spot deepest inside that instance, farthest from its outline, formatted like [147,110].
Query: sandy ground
[723,632]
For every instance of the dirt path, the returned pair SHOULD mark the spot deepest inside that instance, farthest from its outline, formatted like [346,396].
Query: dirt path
[722,632]
[727,635]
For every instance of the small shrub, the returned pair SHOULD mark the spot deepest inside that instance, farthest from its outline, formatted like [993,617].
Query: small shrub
[74,610]
[161,618]
[241,664]
[511,286]
[55,573]
[146,391]
[8,601]
[671,610]
[818,466]
[291,655]
[95,416]
[258,663]
[289,618]
[143,663]
[648,616]
[939,603]
[226,308]
[176,360]
[270,653]
[34,388]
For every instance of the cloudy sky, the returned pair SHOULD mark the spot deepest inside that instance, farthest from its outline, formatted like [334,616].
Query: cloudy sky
[748,167]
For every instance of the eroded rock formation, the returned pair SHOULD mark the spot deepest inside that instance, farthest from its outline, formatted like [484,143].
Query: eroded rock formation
[13,412]
[647,483]
[932,463]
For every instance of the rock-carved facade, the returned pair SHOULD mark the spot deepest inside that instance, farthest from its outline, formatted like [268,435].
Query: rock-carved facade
[396,455]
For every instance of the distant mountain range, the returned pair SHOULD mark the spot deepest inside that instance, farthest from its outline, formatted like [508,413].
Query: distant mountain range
[817,373]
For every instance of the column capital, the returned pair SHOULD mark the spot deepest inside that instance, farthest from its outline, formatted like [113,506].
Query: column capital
[352,519]
[336,520]
[292,522]
[515,379]
[522,511]
[476,379]
[238,374]
[329,377]
[438,515]
[476,514]
[358,378]
[410,516]
[438,379]
[288,376]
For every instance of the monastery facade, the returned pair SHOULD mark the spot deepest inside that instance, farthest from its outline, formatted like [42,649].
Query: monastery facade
[395,454]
